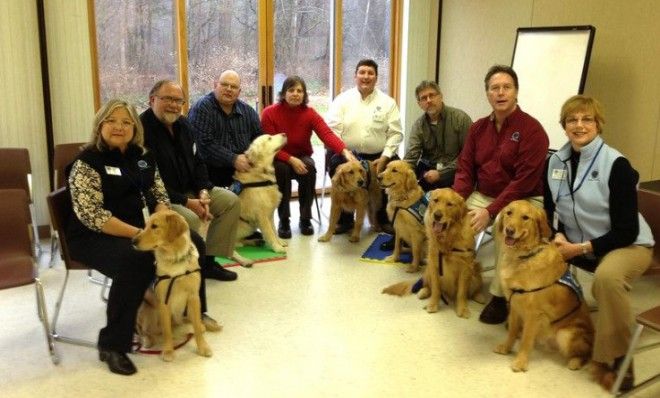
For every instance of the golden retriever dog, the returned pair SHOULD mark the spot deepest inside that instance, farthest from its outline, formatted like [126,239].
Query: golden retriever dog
[451,267]
[541,307]
[405,210]
[354,189]
[178,278]
[258,192]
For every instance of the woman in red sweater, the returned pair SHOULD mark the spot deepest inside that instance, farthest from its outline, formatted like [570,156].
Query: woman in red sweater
[293,117]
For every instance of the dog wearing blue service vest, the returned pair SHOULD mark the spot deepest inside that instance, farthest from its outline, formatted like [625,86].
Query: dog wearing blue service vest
[544,305]
[176,289]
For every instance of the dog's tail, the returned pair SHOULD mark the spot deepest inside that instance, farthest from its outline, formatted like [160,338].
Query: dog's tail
[404,288]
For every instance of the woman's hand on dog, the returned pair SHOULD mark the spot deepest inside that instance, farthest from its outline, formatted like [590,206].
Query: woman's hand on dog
[348,155]
[199,207]
[567,249]
[298,165]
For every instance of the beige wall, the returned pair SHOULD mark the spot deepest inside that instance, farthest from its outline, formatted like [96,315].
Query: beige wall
[623,72]
[22,122]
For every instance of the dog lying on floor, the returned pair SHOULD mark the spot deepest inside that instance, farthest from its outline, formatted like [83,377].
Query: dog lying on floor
[451,266]
[405,208]
[177,284]
[258,192]
[354,188]
[542,304]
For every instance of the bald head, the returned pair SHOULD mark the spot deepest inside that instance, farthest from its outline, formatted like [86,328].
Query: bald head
[226,89]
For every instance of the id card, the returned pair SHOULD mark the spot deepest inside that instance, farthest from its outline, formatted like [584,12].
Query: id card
[558,174]
[145,214]
[113,171]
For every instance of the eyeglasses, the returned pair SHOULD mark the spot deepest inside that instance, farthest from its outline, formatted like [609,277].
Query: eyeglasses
[586,120]
[428,96]
[171,100]
[125,123]
[229,85]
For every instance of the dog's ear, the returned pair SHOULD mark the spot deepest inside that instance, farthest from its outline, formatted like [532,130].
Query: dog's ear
[176,226]
[339,179]
[498,225]
[411,179]
[542,221]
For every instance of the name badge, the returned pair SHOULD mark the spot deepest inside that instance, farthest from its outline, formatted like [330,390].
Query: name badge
[558,174]
[113,171]
[145,214]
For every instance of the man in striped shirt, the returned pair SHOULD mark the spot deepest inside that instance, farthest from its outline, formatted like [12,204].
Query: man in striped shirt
[225,126]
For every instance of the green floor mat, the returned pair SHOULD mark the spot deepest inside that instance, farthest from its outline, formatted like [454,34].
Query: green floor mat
[259,254]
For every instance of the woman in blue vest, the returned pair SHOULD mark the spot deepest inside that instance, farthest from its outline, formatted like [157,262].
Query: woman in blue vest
[591,190]
[114,185]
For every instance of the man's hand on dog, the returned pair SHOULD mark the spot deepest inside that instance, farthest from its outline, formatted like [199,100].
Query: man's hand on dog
[479,219]
[380,164]
[242,163]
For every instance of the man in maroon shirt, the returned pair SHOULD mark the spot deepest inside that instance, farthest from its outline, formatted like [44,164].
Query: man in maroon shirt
[502,160]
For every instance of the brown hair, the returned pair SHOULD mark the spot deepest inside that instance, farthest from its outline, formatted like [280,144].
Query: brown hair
[289,82]
[582,103]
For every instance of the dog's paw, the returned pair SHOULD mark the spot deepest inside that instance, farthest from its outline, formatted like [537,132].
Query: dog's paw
[431,308]
[279,248]
[411,268]
[204,351]
[391,258]
[519,365]
[167,355]
[324,238]
[283,243]
[502,349]
[575,363]
[424,293]
[463,312]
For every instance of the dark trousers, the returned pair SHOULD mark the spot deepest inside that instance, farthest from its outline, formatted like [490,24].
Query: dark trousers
[336,160]
[221,176]
[306,187]
[132,272]
[446,177]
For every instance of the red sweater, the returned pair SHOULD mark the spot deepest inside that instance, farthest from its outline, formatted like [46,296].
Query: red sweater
[505,165]
[297,123]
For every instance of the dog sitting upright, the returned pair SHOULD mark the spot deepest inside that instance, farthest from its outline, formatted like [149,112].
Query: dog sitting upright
[543,300]
[354,188]
[451,266]
[178,278]
[258,192]
[405,208]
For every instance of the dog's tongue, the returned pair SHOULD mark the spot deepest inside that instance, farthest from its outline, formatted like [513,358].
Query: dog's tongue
[509,241]
[438,227]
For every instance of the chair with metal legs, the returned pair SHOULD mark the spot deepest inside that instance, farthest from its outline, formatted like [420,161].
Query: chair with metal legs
[17,263]
[59,204]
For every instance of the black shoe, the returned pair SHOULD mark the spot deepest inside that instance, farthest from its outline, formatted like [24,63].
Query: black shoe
[220,273]
[306,228]
[284,230]
[118,362]
[256,235]
[343,228]
[494,312]
[387,228]
[388,245]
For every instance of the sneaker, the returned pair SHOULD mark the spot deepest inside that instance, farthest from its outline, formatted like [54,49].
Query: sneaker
[494,312]
[284,229]
[306,227]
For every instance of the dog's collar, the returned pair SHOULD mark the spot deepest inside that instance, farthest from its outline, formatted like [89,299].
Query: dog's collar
[237,187]
[532,253]
[185,257]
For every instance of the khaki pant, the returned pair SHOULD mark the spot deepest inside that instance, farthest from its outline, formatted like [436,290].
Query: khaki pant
[612,282]
[226,210]
[479,201]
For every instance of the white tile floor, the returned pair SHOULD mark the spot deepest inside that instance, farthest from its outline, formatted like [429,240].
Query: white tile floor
[314,325]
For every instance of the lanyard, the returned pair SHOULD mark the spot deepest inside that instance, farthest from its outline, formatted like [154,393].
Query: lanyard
[584,177]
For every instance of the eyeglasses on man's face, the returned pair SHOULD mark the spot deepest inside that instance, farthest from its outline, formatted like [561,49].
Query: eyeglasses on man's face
[171,100]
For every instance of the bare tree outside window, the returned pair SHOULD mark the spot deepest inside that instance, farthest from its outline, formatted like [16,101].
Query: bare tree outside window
[302,47]
[222,34]
[366,35]
[135,46]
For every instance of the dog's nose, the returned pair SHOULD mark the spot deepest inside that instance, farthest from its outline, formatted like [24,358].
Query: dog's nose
[509,231]
[360,183]
[437,215]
